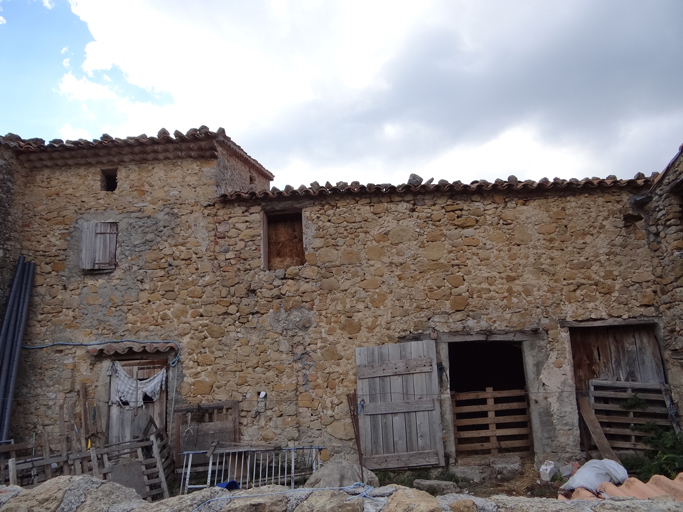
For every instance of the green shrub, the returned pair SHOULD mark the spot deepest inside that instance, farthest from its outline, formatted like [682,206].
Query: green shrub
[665,458]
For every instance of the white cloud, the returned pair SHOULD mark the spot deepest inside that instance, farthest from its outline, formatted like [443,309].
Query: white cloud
[371,91]
[64,50]
[84,89]
[68,132]
[2,20]
[518,151]
[48,4]
[244,65]
[65,63]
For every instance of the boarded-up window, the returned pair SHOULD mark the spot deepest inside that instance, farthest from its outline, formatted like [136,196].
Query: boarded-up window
[285,241]
[98,245]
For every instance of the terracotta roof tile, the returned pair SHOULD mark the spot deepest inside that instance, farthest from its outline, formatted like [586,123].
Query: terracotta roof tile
[124,348]
[658,486]
[107,150]
[511,184]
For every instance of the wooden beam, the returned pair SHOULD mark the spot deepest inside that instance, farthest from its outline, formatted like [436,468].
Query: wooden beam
[493,433]
[293,205]
[609,322]
[490,407]
[631,385]
[475,395]
[14,447]
[469,447]
[388,368]
[596,430]
[498,419]
[426,404]
[518,336]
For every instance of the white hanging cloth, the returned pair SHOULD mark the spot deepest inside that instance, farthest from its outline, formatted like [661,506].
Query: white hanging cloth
[132,390]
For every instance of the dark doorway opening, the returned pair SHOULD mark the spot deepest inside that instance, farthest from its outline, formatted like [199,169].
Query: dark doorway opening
[478,365]
[489,397]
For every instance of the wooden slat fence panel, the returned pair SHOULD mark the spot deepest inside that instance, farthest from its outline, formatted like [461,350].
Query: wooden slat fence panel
[498,425]
[400,419]
[608,399]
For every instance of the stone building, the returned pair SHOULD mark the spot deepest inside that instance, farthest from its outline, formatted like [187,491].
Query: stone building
[272,296]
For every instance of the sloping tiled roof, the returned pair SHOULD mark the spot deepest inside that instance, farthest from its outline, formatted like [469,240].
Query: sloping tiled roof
[661,176]
[511,184]
[107,150]
[656,487]
[124,348]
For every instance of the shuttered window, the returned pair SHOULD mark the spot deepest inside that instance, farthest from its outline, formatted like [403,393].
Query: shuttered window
[283,241]
[98,245]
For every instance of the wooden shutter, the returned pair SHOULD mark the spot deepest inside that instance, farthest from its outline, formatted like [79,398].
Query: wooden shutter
[98,245]
[87,246]
[400,418]
[106,234]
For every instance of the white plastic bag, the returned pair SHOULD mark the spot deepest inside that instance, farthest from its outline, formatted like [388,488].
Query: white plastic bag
[594,472]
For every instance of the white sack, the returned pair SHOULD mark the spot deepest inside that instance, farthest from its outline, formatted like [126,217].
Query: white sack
[594,472]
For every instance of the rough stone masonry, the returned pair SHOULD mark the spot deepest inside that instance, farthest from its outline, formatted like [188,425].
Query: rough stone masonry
[381,264]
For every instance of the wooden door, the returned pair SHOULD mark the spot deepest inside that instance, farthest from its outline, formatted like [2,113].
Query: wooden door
[621,354]
[400,417]
[125,423]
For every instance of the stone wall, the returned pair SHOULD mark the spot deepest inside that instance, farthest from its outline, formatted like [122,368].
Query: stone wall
[161,250]
[665,237]
[379,267]
[11,177]
[383,267]
[234,174]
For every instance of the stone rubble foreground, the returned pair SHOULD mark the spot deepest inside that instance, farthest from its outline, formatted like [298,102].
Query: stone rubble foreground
[85,493]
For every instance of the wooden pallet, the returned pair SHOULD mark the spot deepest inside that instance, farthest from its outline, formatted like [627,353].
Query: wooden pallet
[607,399]
[492,422]
[149,458]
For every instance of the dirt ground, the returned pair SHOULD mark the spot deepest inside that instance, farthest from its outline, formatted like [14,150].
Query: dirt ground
[528,484]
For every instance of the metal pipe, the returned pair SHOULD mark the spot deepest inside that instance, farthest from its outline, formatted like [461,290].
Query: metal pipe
[10,339]
[10,300]
[30,272]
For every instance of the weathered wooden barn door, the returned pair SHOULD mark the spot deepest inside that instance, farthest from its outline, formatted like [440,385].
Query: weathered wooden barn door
[126,423]
[616,353]
[400,417]
[612,366]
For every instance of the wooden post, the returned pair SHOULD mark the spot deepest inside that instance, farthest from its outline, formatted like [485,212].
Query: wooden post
[62,438]
[95,465]
[99,422]
[160,464]
[236,420]
[490,401]
[596,430]
[13,471]
[84,411]
[46,456]
[75,451]
[176,440]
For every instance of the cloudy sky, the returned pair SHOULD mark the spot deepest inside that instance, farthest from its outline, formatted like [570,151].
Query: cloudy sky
[360,90]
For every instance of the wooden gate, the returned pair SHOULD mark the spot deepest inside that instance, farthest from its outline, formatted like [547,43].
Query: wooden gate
[400,416]
[492,422]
